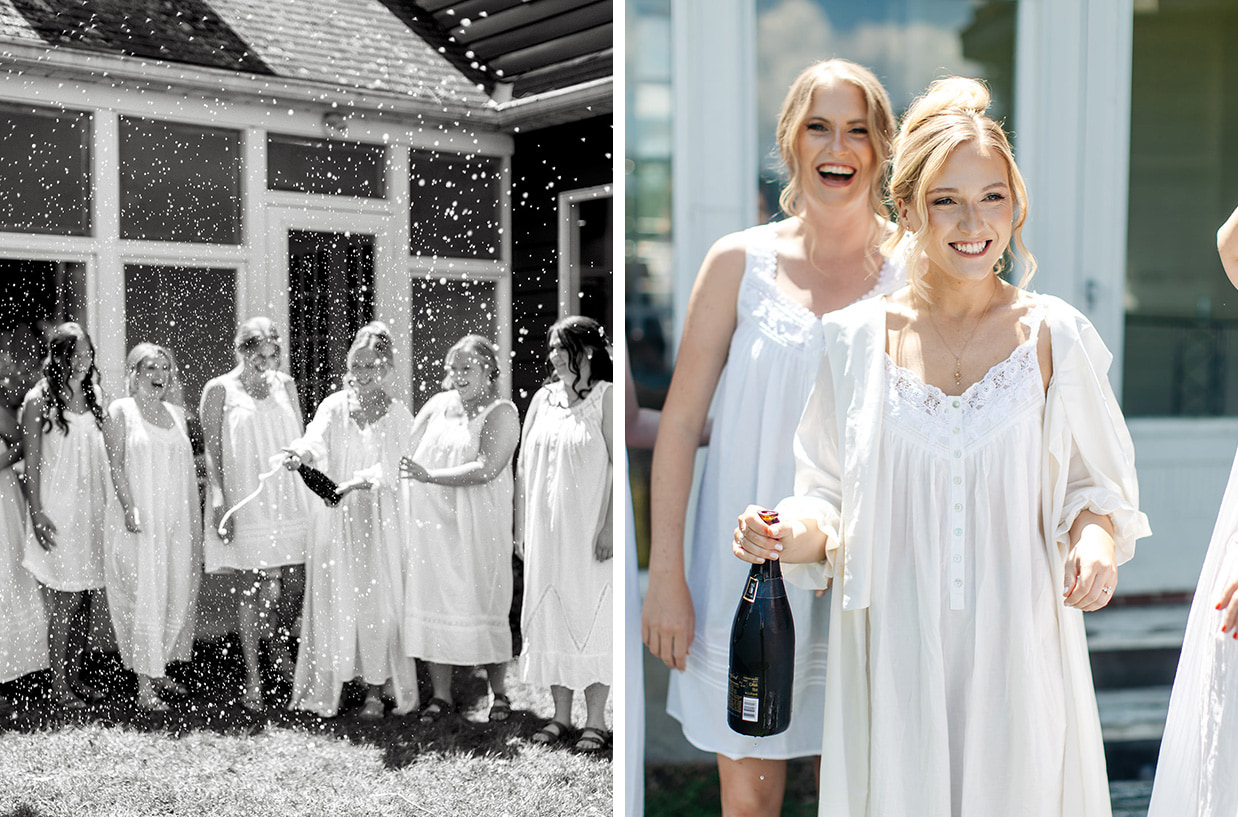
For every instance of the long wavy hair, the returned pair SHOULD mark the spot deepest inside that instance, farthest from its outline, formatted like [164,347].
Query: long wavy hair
[57,368]
[583,337]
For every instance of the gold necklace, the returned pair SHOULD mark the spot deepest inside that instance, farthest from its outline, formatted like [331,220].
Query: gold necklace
[958,359]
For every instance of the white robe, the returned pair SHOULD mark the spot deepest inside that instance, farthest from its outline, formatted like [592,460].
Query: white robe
[1087,462]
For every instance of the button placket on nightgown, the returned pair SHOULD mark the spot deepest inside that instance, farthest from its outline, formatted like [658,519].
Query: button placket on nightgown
[957,504]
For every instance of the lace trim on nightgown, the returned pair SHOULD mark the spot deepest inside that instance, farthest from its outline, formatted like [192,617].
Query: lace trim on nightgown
[776,312]
[1007,389]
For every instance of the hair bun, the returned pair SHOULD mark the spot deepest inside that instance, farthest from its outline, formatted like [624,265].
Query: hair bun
[949,95]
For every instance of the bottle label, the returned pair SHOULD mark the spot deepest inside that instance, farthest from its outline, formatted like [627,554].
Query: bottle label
[750,589]
[744,699]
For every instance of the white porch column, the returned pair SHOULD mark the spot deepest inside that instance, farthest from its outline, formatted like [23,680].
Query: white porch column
[714,173]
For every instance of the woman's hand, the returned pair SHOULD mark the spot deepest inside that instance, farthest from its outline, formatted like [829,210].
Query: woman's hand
[754,540]
[132,523]
[668,621]
[229,527]
[603,545]
[1091,570]
[411,470]
[44,530]
[1228,605]
[358,484]
[292,460]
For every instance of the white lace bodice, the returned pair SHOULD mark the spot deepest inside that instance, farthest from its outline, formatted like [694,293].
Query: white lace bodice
[776,313]
[961,422]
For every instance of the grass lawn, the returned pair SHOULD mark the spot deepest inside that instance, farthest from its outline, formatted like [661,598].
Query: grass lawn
[208,756]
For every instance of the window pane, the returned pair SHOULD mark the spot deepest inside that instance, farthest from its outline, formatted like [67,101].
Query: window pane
[328,167]
[455,205]
[443,312]
[331,296]
[594,232]
[44,170]
[1181,312]
[189,310]
[179,182]
[35,296]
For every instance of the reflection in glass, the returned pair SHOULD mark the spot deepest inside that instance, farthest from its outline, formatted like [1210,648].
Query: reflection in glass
[179,182]
[454,208]
[1181,356]
[45,179]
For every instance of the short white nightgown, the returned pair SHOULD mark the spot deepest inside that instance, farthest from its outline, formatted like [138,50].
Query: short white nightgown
[459,589]
[153,576]
[270,531]
[23,623]
[568,594]
[769,371]
[74,487]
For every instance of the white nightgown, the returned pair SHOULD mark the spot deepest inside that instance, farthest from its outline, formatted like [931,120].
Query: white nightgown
[459,591]
[1199,751]
[23,623]
[958,683]
[354,568]
[270,531]
[769,371]
[568,594]
[153,575]
[74,487]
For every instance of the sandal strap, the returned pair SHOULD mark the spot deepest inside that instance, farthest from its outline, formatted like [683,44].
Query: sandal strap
[555,729]
[594,734]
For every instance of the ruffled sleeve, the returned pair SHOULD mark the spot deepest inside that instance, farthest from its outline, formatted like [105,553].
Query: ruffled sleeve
[314,440]
[818,479]
[1090,459]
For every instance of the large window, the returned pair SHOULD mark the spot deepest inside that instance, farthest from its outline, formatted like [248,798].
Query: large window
[328,167]
[1181,356]
[44,170]
[37,295]
[455,205]
[445,310]
[179,182]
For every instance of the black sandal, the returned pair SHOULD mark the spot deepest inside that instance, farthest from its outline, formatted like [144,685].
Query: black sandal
[500,708]
[436,710]
[551,733]
[591,741]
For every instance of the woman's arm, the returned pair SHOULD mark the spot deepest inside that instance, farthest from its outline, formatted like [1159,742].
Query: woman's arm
[32,444]
[604,540]
[518,508]
[212,435]
[114,441]
[499,435]
[1227,246]
[668,619]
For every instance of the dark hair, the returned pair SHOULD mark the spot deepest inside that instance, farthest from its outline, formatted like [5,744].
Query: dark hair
[580,337]
[61,346]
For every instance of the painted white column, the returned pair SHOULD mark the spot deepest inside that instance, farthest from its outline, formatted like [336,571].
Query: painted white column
[106,323]
[714,166]
[1072,96]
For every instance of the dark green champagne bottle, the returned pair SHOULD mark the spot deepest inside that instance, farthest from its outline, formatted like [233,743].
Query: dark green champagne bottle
[762,663]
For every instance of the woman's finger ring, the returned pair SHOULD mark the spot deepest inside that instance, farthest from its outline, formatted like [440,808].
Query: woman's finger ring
[1106,589]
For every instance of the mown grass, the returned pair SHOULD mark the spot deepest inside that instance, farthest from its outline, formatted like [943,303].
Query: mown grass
[208,756]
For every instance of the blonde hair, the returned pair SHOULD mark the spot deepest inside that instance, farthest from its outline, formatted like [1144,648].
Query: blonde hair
[951,113]
[377,336]
[253,333]
[139,354]
[487,355]
[795,109]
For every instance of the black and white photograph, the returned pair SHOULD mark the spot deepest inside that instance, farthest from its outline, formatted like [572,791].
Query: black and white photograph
[307,407]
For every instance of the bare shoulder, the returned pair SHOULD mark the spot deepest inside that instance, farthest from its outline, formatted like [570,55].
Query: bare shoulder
[901,309]
[724,263]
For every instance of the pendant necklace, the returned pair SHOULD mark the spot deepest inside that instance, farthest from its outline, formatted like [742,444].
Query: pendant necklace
[958,359]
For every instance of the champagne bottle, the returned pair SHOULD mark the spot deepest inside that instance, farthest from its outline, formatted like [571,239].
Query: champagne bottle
[762,662]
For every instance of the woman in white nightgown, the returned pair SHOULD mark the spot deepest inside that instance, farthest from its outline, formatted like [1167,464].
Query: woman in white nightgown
[248,416]
[563,513]
[67,490]
[1195,772]
[459,591]
[354,583]
[153,550]
[23,624]
[965,477]
[750,346]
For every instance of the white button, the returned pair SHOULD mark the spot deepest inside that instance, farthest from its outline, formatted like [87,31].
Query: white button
[958,506]
[958,531]
[958,480]
[955,404]
[958,558]
[958,454]
[958,582]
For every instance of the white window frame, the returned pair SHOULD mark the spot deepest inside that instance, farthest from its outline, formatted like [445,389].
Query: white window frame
[569,243]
